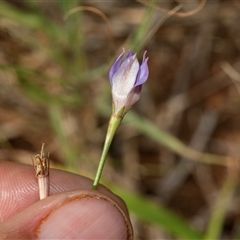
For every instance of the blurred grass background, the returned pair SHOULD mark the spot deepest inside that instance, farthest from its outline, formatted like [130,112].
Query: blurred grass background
[175,158]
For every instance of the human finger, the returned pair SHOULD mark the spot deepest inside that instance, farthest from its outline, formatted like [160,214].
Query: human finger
[82,214]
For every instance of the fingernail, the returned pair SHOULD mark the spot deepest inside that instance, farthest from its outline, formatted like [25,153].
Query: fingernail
[85,217]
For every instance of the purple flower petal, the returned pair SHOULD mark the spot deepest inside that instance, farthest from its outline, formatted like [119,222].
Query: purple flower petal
[142,73]
[130,54]
[115,66]
[124,78]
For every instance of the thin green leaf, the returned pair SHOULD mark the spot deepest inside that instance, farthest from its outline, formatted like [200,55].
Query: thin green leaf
[153,213]
[215,225]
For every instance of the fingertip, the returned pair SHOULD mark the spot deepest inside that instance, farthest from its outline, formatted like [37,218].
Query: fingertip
[19,188]
[90,215]
[85,214]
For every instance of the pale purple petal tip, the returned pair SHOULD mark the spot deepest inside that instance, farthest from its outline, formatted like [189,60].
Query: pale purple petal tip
[130,54]
[144,56]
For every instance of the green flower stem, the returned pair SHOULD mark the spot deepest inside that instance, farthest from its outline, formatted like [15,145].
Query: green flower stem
[113,125]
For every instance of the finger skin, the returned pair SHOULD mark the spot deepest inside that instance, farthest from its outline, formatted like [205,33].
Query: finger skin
[31,222]
[19,187]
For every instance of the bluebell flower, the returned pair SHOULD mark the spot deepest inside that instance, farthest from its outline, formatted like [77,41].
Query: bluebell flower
[127,77]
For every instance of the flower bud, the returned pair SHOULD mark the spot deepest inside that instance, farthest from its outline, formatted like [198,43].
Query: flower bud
[126,77]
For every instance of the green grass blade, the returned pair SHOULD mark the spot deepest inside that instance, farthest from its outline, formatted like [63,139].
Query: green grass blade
[56,117]
[171,142]
[29,20]
[150,212]
[216,222]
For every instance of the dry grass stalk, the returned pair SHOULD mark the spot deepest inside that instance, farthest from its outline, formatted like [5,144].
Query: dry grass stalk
[41,166]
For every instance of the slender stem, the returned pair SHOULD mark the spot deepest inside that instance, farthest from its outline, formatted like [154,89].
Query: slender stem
[41,166]
[43,183]
[113,125]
